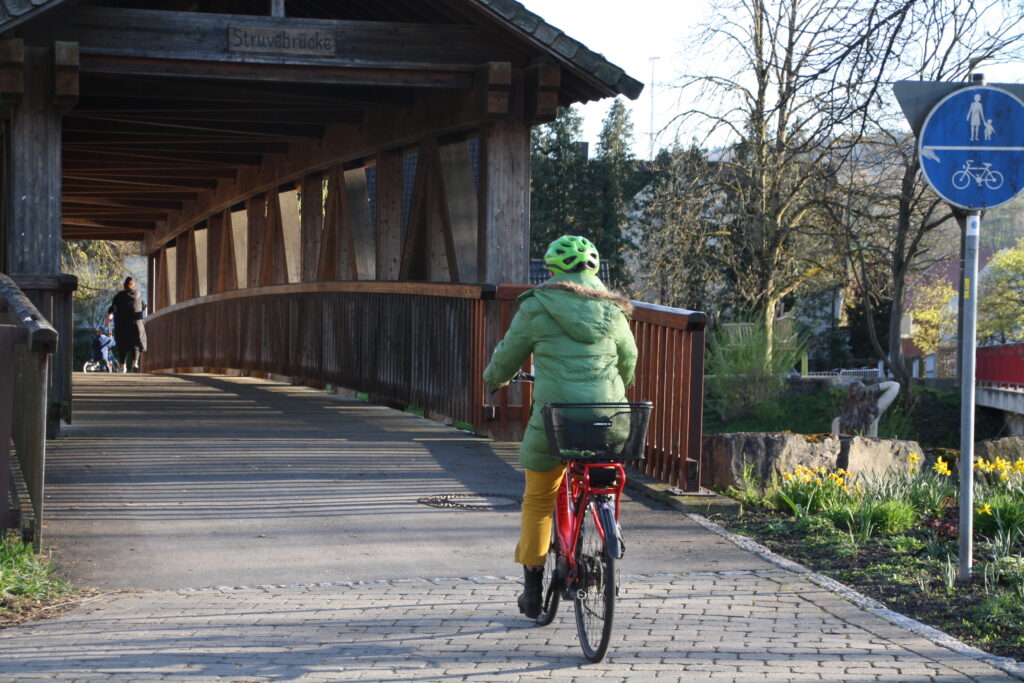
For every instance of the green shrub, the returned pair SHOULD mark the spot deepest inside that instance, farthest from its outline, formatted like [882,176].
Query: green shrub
[741,372]
[893,516]
[1004,511]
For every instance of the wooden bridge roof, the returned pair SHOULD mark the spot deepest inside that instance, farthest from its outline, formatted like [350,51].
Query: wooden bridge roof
[514,15]
[165,114]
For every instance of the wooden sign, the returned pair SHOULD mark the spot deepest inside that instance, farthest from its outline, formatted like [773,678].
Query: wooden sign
[281,41]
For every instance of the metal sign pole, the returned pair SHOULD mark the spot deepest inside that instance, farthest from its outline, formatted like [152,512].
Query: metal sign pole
[970,326]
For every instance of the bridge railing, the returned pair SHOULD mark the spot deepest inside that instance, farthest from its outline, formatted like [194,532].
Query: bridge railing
[669,373]
[1001,366]
[29,341]
[424,345]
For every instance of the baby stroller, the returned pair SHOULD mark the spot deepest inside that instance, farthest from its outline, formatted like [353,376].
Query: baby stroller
[103,358]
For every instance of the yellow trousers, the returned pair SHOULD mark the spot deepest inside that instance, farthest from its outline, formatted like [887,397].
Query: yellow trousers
[538,503]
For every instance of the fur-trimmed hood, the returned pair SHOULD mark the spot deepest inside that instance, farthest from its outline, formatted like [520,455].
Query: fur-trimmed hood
[580,290]
[581,305]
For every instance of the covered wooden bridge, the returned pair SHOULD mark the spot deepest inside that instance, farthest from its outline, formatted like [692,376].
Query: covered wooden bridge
[335,192]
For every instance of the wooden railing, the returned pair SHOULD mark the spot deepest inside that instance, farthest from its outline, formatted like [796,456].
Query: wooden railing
[669,373]
[1001,366]
[425,345]
[27,342]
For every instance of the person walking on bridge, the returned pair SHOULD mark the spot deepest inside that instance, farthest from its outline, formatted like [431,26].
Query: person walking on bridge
[583,352]
[126,310]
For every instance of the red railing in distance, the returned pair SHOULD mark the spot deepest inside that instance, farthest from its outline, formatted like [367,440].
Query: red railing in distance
[669,373]
[1001,366]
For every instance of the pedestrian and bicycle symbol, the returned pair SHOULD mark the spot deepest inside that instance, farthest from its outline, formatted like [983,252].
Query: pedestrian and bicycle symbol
[972,147]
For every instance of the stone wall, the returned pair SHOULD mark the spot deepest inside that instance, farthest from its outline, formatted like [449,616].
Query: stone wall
[725,456]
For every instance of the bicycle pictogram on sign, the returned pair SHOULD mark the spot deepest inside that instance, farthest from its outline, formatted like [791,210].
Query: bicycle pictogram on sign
[981,174]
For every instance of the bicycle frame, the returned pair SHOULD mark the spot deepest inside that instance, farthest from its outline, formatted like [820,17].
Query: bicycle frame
[573,497]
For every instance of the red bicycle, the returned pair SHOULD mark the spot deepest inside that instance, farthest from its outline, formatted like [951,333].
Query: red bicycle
[586,539]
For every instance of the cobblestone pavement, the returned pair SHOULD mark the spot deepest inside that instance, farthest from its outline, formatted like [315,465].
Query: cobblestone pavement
[220,481]
[770,625]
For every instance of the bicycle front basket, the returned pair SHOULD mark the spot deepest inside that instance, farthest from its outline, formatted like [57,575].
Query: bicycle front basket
[596,431]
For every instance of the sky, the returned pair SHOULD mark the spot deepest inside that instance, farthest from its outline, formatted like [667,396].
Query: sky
[629,35]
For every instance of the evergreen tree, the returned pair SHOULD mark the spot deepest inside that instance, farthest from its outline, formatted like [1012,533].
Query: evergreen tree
[615,180]
[559,168]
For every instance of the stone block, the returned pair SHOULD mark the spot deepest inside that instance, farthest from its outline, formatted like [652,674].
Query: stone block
[872,457]
[1009,448]
[768,455]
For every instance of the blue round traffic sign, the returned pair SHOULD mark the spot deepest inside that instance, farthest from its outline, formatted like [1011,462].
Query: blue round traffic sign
[972,147]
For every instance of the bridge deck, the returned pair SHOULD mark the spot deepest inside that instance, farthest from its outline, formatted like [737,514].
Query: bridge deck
[197,480]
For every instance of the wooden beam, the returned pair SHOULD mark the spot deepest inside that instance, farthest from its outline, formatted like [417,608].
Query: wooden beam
[119,172]
[312,223]
[222,37]
[127,124]
[543,82]
[162,203]
[216,158]
[316,73]
[65,73]
[12,70]
[493,81]
[75,180]
[460,199]
[389,214]
[364,247]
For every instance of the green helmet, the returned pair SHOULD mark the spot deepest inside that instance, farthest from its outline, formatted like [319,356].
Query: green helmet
[572,254]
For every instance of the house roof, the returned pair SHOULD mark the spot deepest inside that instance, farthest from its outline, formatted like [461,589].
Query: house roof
[512,15]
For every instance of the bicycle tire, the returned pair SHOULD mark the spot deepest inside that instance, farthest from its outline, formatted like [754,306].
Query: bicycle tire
[552,587]
[994,180]
[594,596]
[961,179]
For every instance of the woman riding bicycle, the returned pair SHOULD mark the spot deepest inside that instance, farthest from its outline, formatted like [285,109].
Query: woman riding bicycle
[583,352]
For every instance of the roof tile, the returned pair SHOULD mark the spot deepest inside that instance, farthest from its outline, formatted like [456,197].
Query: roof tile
[587,58]
[630,87]
[567,46]
[527,20]
[546,33]
[507,8]
[17,7]
[609,73]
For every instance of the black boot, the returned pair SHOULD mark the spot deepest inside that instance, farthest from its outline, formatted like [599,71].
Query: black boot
[530,599]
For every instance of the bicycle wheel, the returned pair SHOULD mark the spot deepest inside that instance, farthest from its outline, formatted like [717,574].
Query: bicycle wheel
[961,179]
[994,180]
[594,597]
[552,584]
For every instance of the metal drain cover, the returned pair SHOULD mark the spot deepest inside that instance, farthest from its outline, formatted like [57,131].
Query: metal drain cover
[472,501]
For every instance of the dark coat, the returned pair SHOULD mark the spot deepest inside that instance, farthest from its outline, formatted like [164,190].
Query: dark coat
[129,330]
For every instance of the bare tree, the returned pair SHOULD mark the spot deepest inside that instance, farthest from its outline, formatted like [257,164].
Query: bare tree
[788,117]
[894,225]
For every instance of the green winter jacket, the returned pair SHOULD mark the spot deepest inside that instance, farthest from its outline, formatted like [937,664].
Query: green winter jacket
[583,352]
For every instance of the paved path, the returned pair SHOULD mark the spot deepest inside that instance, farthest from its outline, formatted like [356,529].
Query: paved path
[251,531]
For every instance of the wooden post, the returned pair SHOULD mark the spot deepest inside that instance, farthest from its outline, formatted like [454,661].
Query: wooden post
[257,219]
[390,231]
[463,213]
[312,224]
[364,250]
[505,195]
[32,188]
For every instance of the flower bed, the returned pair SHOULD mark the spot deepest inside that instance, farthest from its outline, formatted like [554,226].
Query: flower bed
[894,537]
